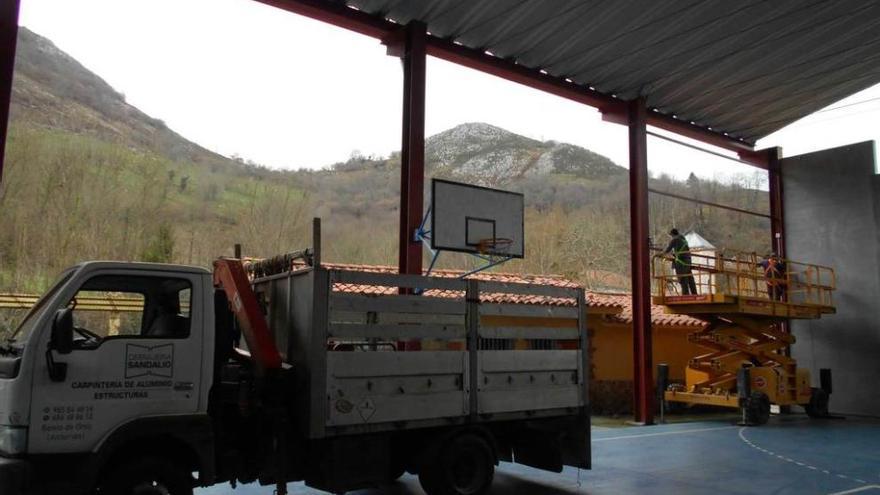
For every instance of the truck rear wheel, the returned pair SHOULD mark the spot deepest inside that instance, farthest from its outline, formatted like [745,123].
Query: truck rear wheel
[148,476]
[463,465]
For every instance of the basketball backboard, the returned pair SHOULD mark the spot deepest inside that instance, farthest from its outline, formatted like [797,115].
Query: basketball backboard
[475,219]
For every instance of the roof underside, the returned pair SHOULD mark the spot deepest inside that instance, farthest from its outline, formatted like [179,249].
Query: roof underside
[746,68]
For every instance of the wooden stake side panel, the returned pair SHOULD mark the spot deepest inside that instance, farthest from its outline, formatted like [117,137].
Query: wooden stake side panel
[386,387]
[528,380]
[521,360]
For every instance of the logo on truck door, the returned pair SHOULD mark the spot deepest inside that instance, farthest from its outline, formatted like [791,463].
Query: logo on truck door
[144,360]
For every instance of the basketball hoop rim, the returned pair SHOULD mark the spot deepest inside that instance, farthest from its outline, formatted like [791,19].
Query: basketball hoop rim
[494,245]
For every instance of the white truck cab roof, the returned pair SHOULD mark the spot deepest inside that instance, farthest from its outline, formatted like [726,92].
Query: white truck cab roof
[139,265]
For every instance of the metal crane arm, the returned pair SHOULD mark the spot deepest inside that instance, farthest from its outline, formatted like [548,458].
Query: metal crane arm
[229,275]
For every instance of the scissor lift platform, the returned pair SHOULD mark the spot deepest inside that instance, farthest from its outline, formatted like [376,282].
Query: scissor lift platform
[719,304]
[745,313]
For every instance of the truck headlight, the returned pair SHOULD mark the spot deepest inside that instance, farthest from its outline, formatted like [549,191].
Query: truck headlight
[13,439]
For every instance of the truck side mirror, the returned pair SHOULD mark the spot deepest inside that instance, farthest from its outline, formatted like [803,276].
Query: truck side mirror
[62,331]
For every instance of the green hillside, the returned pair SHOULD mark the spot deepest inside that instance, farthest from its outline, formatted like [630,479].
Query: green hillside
[90,177]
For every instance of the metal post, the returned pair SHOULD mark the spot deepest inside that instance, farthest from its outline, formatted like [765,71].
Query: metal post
[662,385]
[412,151]
[8,37]
[643,383]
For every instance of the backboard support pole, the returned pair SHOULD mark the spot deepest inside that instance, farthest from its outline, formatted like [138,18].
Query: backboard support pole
[412,152]
[643,381]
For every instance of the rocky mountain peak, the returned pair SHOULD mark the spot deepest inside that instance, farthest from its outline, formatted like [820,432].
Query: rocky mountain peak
[492,156]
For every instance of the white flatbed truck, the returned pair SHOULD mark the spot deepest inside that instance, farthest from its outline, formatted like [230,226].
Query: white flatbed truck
[169,401]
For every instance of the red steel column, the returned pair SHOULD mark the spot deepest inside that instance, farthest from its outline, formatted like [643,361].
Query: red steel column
[412,151]
[643,376]
[8,37]
[777,205]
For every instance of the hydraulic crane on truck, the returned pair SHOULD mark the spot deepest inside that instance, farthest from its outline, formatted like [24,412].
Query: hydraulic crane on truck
[747,309]
[230,276]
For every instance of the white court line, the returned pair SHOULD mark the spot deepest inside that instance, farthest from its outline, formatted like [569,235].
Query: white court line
[663,433]
[857,490]
[814,468]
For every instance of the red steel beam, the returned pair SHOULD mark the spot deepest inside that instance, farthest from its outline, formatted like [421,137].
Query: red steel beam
[8,36]
[643,373]
[412,151]
[614,109]
[693,131]
[338,14]
[533,78]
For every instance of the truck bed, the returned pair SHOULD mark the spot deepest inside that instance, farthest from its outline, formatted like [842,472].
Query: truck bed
[477,350]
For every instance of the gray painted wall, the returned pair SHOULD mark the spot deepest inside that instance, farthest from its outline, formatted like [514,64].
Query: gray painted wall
[832,217]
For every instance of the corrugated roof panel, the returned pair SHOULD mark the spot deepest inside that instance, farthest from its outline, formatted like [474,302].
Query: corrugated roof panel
[746,68]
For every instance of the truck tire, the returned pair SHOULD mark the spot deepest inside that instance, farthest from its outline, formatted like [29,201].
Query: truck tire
[758,409]
[148,476]
[463,465]
[818,405]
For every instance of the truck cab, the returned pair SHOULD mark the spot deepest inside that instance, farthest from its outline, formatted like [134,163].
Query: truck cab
[79,382]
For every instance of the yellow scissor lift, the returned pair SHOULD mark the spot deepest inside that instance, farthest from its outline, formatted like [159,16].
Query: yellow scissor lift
[746,365]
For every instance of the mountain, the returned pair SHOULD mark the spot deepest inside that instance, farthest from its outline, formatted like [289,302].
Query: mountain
[494,156]
[89,176]
[54,90]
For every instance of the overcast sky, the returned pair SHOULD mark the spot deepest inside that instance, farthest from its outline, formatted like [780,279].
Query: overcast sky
[239,77]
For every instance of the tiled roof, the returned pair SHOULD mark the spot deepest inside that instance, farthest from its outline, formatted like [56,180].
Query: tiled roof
[497,298]
[658,314]
[618,304]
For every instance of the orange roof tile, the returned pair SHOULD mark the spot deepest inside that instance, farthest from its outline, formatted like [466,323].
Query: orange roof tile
[497,298]
[658,314]
[622,302]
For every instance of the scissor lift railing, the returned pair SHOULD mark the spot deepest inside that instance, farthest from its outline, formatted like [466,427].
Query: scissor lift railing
[744,310]
[721,278]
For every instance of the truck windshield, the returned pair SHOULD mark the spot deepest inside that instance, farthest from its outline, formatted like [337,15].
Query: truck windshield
[26,327]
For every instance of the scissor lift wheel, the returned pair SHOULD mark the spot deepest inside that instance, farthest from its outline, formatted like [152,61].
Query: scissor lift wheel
[758,409]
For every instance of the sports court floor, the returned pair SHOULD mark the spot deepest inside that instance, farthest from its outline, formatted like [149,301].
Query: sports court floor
[789,455]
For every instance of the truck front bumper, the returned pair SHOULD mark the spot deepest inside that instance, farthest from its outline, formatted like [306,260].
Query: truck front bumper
[15,476]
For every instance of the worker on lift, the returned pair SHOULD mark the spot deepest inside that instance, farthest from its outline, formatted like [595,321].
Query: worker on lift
[681,262]
[774,272]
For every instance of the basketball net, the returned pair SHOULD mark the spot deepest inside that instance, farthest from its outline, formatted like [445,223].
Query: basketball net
[494,245]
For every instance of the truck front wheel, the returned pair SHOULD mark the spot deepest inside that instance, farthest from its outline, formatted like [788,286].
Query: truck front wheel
[148,476]
[462,465]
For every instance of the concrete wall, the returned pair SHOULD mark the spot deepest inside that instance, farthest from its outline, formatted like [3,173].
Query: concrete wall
[832,217]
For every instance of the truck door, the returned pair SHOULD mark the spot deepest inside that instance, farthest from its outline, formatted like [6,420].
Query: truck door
[137,353]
